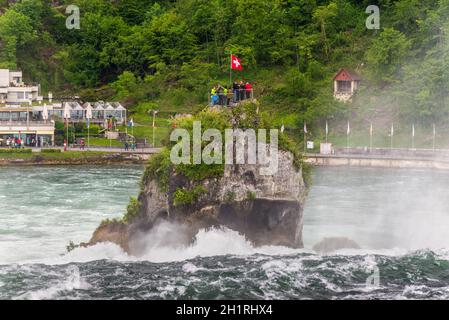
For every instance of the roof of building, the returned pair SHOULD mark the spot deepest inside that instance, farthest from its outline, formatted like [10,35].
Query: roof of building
[347,75]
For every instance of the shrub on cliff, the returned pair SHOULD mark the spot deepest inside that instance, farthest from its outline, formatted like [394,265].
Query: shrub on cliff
[158,170]
[184,197]
[132,211]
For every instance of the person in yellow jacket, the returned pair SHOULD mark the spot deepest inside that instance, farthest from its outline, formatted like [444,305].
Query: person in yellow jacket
[224,98]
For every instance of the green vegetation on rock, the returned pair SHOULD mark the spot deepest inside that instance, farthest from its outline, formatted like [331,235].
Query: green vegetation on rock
[184,197]
[132,211]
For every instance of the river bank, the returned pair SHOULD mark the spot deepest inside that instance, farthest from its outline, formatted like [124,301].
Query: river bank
[71,158]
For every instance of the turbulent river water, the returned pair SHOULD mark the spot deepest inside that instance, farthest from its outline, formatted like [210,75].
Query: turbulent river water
[400,219]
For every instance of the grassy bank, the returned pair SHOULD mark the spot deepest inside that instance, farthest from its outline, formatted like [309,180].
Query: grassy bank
[53,156]
[69,158]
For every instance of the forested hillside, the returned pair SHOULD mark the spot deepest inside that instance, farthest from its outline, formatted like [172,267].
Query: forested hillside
[169,53]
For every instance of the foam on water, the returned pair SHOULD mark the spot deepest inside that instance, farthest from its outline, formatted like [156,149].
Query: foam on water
[208,243]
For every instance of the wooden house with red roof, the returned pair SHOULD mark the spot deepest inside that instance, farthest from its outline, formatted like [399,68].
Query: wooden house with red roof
[345,84]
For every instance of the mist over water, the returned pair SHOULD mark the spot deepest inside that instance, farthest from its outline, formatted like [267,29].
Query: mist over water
[398,217]
[379,208]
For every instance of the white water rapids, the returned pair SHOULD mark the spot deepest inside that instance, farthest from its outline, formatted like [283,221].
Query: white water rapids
[384,211]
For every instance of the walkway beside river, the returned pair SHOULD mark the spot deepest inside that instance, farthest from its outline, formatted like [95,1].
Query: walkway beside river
[386,158]
[108,149]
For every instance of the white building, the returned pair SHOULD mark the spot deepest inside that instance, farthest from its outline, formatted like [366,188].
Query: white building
[23,113]
[17,117]
[13,91]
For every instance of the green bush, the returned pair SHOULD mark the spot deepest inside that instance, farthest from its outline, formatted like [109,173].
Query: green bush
[51,150]
[132,211]
[183,197]
[158,169]
[230,197]
[250,195]
[16,151]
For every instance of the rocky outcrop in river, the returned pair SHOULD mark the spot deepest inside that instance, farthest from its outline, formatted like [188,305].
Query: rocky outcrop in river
[267,210]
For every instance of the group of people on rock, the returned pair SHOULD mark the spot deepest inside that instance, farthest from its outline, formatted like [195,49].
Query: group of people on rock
[223,96]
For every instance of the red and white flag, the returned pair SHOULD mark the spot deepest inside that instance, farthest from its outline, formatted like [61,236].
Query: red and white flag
[236,63]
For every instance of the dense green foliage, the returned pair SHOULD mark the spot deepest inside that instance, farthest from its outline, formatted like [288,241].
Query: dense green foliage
[168,53]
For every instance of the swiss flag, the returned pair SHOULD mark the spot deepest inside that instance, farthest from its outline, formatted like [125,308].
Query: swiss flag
[236,63]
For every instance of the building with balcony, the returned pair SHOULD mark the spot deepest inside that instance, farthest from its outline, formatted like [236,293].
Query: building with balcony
[23,113]
[17,117]
[13,91]
[26,123]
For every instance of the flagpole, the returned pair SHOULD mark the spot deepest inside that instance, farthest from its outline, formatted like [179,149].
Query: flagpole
[230,69]
[347,136]
[305,132]
[88,136]
[392,134]
[413,136]
[433,140]
[327,130]
[67,124]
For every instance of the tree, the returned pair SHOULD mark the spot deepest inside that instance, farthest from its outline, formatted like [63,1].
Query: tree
[33,9]
[15,31]
[322,15]
[125,85]
[384,57]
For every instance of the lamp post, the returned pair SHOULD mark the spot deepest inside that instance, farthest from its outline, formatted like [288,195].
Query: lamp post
[154,125]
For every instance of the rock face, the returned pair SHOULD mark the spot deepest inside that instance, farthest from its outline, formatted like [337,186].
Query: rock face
[267,210]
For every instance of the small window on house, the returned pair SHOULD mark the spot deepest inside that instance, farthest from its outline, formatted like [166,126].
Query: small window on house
[344,86]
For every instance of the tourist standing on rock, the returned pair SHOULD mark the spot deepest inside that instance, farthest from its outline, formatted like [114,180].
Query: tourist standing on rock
[235,88]
[241,90]
[225,97]
[229,97]
[213,96]
[126,146]
[83,144]
[221,95]
[248,89]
